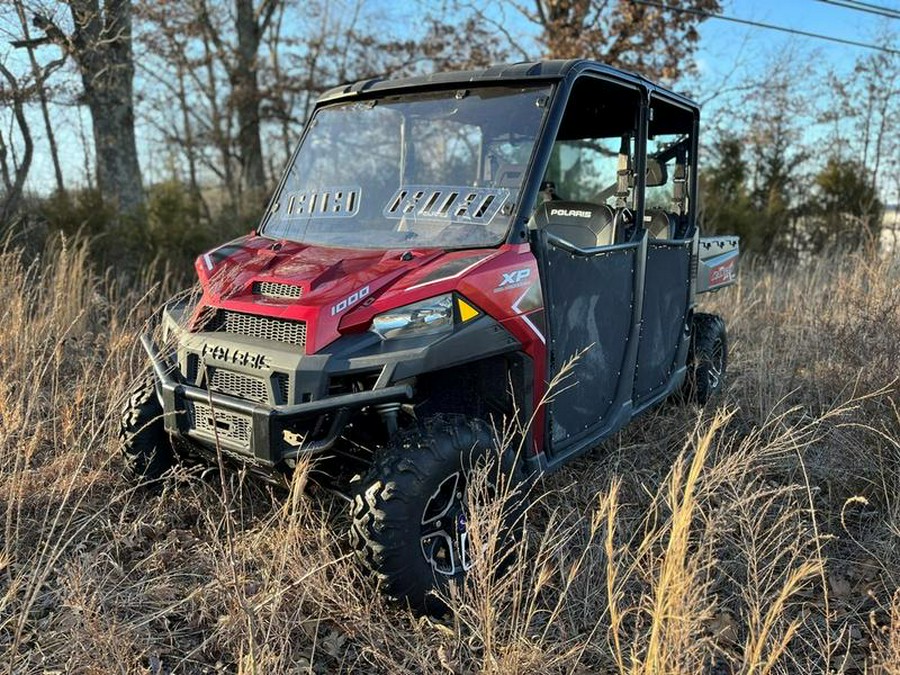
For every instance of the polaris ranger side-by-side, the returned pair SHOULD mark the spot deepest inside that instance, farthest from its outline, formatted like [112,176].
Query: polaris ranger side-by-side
[437,250]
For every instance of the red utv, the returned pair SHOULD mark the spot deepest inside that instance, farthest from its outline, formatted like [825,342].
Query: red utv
[437,250]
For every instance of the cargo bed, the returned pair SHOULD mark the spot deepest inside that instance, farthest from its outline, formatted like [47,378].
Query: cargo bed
[718,263]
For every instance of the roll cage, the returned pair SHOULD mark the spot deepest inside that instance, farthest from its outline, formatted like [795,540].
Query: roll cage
[655,109]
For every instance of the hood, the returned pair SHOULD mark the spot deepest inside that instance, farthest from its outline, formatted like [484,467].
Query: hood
[298,282]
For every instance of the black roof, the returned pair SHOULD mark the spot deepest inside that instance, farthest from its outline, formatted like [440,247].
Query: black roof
[514,72]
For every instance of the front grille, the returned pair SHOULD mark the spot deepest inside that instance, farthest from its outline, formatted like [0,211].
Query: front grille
[238,385]
[281,383]
[274,289]
[265,327]
[193,368]
[226,425]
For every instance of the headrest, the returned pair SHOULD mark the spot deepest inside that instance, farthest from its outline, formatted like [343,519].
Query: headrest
[659,224]
[656,173]
[585,214]
[583,224]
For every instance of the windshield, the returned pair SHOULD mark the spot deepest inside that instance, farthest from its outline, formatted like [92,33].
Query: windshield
[428,170]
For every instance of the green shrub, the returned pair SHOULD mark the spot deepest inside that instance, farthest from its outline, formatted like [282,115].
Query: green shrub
[171,231]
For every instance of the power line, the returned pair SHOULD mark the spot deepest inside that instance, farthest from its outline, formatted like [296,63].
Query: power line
[864,7]
[870,5]
[769,26]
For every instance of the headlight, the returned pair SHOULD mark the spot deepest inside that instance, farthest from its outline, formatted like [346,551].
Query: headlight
[428,317]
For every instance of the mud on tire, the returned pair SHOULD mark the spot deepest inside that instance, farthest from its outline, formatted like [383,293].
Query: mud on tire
[707,359]
[408,524]
[145,445]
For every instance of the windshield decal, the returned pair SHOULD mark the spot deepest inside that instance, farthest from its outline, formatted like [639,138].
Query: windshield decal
[447,203]
[331,202]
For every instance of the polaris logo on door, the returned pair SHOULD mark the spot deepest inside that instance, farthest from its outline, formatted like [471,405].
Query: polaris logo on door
[570,213]
[350,300]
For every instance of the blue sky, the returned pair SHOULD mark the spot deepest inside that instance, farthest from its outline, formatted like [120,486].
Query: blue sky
[725,44]
[722,42]
[809,15]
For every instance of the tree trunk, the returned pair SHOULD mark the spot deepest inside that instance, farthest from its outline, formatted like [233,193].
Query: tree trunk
[118,171]
[102,47]
[189,148]
[10,203]
[245,87]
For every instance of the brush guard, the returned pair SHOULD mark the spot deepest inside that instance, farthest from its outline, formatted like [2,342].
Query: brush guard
[254,431]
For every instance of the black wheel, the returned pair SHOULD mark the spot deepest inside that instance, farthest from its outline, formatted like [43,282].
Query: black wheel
[145,444]
[409,512]
[707,359]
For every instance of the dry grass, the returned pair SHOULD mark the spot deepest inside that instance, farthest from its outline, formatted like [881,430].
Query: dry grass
[758,538]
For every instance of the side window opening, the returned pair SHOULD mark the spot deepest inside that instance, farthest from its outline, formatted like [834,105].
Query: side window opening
[588,192]
[667,199]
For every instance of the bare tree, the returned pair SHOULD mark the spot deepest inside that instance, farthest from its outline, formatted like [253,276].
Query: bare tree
[864,144]
[171,75]
[251,20]
[41,75]
[184,65]
[100,43]
[869,100]
[245,99]
[13,95]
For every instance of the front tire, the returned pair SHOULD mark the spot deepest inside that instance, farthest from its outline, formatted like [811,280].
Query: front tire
[707,359]
[145,445]
[409,511]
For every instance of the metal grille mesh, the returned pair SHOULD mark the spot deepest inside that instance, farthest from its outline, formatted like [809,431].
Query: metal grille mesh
[238,384]
[274,289]
[267,328]
[193,368]
[281,384]
[227,425]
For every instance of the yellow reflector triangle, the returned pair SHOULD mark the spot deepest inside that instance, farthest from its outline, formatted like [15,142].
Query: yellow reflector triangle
[466,311]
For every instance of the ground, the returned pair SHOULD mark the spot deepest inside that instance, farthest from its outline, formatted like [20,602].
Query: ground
[759,536]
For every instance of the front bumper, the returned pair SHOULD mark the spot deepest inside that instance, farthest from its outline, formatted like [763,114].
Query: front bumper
[266,401]
[254,431]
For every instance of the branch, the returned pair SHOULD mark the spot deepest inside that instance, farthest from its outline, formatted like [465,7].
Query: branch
[266,12]
[53,66]
[33,42]
[14,194]
[52,32]
[501,28]
[208,28]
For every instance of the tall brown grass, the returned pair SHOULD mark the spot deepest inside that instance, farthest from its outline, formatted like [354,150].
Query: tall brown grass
[760,537]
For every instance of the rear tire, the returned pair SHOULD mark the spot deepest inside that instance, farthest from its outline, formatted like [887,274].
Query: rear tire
[408,519]
[707,359]
[145,444]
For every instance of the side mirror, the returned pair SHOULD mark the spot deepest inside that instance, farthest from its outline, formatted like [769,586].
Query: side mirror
[656,173]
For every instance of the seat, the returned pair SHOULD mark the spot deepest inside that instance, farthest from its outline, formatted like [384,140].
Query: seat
[509,175]
[659,224]
[583,224]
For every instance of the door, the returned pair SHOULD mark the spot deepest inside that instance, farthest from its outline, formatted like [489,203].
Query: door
[668,219]
[590,254]
[590,300]
[664,311]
